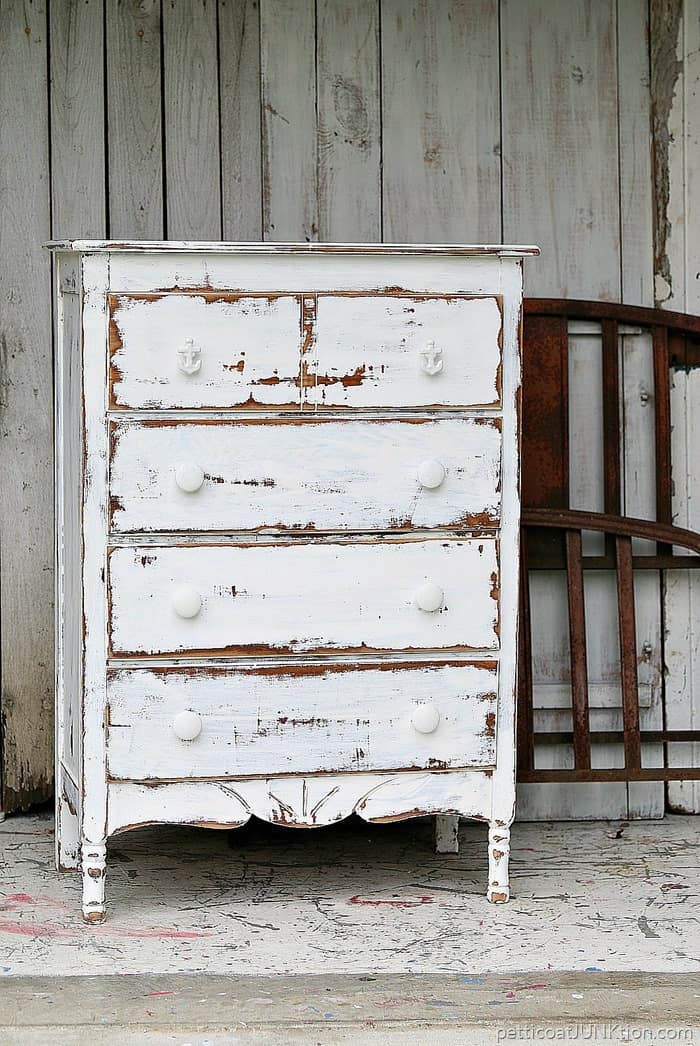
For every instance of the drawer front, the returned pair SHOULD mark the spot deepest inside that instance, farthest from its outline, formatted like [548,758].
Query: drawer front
[305,475]
[304,596]
[385,351]
[204,350]
[299,720]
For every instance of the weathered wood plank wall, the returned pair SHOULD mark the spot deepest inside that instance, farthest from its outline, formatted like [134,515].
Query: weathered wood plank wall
[436,120]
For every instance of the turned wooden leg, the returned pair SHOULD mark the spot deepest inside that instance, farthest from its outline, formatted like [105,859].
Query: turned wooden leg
[94,863]
[499,852]
[446,834]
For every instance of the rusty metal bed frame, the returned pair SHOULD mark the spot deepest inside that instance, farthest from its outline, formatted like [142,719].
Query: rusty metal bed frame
[552,532]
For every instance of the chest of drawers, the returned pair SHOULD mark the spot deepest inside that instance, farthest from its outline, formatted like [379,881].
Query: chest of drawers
[287,539]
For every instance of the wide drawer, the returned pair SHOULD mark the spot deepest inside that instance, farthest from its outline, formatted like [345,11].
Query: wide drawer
[300,719]
[204,350]
[304,474]
[303,596]
[384,351]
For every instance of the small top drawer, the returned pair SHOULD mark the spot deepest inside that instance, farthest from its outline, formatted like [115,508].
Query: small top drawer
[403,350]
[204,350]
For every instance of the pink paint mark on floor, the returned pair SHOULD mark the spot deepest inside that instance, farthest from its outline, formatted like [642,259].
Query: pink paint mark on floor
[35,929]
[21,900]
[372,903]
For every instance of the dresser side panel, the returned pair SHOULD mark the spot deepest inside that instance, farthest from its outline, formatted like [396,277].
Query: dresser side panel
[68,438]
[503,807]
[94,492]
[68,596]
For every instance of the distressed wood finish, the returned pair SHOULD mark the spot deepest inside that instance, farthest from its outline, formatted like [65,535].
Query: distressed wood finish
[26,505]
[312,719]
[293,615]
[318,484]
[304,597]
[403,351]
[241,350]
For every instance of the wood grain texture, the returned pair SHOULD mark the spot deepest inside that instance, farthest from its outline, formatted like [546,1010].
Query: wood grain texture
[26,457]
[191,115]
[78,198]
[249,351]
[304,597]
[560,147]
[288,72]
[350,475]
[134,131]
[441,136]
[369,352]
[678,78]
[239,90]
[325,720]
[349,120]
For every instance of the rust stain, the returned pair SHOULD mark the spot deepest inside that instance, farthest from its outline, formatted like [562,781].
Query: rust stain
[292,671]
[499,898]
[490,729]
[239,366]
[498,854]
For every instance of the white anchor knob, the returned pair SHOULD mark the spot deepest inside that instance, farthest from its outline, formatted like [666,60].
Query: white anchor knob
[425,719]
[429,597]
[431,359]
[431,473]
[187,725]
[187,601]
[189,477]
[189,359]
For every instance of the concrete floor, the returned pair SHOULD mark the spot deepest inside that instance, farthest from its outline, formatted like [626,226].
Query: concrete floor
[352,933]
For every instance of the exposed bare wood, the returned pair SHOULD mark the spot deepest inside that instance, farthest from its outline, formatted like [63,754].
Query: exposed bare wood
[288,49]
[239,88]
[77,119]
[440,122]
[26,460]
[191,114]
[349,120]
[135,165]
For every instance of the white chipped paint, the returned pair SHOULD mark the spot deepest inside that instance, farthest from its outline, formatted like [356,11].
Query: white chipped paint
[349,475]
[304,596]
[389,351]
[346,594]
[325,720]
[181,350]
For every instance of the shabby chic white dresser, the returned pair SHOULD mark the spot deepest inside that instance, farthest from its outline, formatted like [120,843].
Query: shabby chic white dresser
[287,538]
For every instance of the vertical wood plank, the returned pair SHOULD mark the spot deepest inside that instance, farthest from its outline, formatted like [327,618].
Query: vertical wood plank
[634,122]
[288,60]
[560,149]
[628,652]
[441,124]
[349,121]
[646,799]
[134,134]
[577,651]
[77,120]
[26,430]
[676,93]
[662,424]
[191,116]
[239,88]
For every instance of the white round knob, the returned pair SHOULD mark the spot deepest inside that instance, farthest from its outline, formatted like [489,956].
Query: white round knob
[187,601]
[425,719]
[187,725]
[189,477]
[429,597]
[431,473]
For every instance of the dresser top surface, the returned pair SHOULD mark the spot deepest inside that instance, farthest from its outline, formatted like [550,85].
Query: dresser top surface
[221,247]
